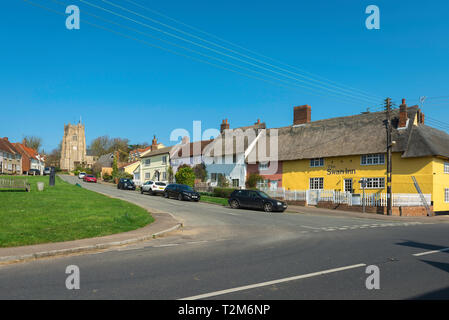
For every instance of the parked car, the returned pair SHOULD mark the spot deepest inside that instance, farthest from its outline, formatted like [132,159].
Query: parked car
[46,171]
[181,192]
[153,187]
[81,175]
[89,178]
[34,172]
[254,199]
[126,184]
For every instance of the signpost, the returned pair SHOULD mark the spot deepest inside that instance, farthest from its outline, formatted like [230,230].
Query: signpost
[52,176]
[363,184]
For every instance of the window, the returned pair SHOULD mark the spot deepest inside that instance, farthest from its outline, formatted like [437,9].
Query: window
[262,184]
[74,138]
[317,162]
[164,176]
[164,159]
[316,183]
[263,166]
[375,183]
[446,167]
[147,162]
[446,195]
[147,175]
[234,158]
[235,183]
[213,177]
[373,159]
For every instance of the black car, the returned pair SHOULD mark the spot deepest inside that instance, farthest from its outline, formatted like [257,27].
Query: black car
[254,199]
[126,184]
[181,192]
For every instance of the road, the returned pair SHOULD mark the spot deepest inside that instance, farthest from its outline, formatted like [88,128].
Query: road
[223,253]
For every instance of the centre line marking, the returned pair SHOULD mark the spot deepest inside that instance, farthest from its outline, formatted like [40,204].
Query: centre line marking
[269,283]
[430,252]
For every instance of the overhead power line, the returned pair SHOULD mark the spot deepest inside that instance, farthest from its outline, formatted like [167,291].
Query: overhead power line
[325,82]
[211,49]
[285,83]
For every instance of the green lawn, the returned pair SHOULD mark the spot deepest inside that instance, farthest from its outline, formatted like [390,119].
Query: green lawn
[222,201]
[63,212]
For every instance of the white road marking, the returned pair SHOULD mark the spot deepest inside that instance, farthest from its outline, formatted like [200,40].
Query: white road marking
[167,245]
[430,252]
[269,283]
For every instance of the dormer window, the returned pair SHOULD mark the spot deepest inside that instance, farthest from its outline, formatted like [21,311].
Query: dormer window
[372,159]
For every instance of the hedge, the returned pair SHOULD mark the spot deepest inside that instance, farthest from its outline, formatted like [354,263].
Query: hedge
[223,192]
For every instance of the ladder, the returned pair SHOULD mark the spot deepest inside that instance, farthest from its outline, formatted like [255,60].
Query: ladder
[423,199]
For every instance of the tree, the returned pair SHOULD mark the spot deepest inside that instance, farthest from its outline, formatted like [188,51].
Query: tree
[222,181]
[170,174]
[33,142]
[186,176]
[100,146]
[200,171]
[252,180]
[114,168]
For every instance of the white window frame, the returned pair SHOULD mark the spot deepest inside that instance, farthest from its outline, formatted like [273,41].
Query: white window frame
[263,166]
[316,183]
[147,175]
[147,162]
[446,195]
[372,159]
[375,183]
[316,162]
[446,167]
[164,159]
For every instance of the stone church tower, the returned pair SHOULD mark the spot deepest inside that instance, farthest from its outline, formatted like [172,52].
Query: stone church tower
[73,151]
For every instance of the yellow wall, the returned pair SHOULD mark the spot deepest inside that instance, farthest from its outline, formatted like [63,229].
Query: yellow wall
[296,175]
[130,168]
[155,165]
[440,182]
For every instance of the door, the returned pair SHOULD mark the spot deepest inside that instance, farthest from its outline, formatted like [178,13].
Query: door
[312,197]
[255,201]
[348,185]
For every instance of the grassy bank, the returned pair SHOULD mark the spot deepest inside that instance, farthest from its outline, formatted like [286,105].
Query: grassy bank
[62,213]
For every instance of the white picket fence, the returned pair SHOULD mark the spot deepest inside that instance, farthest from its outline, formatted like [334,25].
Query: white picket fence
[312,197]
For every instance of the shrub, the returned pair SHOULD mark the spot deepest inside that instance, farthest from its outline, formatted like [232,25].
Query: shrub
[222,181]
[186,176]
[200,171]
[223,192]
[251,181]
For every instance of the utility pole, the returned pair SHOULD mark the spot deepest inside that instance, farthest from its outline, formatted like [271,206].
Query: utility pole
[389,154]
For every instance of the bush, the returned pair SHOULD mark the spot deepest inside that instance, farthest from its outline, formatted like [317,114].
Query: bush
[186,176]
[251,181]
[223,192]
[107,177]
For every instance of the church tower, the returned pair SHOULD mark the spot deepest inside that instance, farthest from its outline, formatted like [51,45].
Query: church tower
[73,152]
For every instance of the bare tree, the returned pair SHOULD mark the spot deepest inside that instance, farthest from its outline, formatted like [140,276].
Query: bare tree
[33,142]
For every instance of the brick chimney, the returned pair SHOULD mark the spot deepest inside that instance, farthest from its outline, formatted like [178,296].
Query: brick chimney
[224,125]
[154,143]
[302,114]
[5,138]
[402,115]
[258,122]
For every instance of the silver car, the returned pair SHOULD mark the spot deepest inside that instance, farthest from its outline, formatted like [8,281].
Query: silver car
[153,187]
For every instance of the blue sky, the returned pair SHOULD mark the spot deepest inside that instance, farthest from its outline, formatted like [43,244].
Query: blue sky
[124,88]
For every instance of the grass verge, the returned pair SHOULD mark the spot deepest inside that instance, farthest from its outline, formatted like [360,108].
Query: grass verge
[62,213]
[222,201]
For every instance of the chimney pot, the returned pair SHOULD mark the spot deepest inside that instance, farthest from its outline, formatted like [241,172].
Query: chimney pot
[302,114]
[402,115]
[224,125]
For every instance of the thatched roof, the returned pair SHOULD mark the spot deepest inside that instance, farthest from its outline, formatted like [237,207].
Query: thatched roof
[353,135]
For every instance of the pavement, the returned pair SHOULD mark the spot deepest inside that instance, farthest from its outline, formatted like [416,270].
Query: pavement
[222,253]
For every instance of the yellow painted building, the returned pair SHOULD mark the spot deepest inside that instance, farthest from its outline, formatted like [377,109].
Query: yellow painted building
[335,154]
